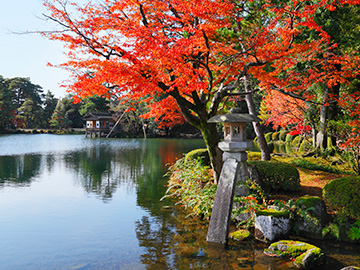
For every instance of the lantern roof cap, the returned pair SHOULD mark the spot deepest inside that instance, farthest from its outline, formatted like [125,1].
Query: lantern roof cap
[234,117]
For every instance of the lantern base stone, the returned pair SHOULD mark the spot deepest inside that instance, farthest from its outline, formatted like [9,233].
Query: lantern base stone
[238,156]
[235,146]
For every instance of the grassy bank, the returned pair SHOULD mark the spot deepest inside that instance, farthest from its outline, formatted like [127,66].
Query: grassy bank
[192,185]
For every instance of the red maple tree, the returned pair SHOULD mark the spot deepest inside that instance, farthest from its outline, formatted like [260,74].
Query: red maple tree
[188,55]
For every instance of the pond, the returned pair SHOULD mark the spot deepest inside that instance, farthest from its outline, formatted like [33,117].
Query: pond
[68,202]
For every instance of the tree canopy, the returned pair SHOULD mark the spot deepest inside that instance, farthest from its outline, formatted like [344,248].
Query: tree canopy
[189,58]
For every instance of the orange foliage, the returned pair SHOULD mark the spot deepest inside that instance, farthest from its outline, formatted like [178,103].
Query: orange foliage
[173,50]
[284,110]
[351,103]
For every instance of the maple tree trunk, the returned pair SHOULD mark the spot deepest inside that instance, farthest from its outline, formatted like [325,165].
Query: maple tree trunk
[334,109]
[211,139]
[321,136]
[264,148]
[208,131]
[321,141]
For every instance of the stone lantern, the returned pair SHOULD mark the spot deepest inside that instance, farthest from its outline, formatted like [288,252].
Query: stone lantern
[234,171]
[235,143]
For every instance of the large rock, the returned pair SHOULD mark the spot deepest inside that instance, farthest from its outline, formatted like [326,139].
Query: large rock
[271,225]
[305,256]
[310,217]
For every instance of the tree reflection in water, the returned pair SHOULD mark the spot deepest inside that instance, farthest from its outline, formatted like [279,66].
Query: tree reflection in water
[19,170]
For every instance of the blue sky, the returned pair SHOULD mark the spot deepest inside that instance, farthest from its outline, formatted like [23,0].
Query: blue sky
[28,55]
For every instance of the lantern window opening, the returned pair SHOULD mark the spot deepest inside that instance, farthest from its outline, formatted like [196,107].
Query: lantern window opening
[227,131]
[236,130]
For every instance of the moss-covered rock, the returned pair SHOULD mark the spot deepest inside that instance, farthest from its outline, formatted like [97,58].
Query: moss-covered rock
[275,176]
[271,225]
[202,153]
[343,194]
[311,216]
[273,213]
[305,255]
[240,235]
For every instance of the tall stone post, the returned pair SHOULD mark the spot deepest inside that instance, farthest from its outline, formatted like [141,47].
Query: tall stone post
[233,173]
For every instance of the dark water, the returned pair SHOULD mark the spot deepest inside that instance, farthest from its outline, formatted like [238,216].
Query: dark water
[67,202]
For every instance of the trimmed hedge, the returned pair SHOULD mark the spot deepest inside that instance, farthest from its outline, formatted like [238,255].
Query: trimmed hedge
[296,140]
[268,137]
[343,194]
[282,135]
[275,136]
[201,153]
[289,138]
[275,176]
[304,163]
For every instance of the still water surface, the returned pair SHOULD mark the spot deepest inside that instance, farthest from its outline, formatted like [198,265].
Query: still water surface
[67,202]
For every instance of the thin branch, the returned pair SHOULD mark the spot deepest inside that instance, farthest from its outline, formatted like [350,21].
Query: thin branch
[144,20]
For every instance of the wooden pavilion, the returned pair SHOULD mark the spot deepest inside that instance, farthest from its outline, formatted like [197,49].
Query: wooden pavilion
[99,124]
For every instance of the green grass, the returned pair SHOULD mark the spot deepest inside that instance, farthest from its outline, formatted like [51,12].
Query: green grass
[306,164]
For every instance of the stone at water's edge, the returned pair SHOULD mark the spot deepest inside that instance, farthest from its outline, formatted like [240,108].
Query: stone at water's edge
[271,225]
[240,235]
[311,216]
[305,256]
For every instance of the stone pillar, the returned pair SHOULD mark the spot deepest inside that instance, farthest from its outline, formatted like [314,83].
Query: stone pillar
[221,213]
[234,170]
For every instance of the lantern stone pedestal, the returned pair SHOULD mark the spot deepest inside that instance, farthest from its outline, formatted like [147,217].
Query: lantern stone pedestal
[234,171]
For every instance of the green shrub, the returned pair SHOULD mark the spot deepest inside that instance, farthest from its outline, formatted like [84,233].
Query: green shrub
[268,137]
[282,135]
[343,194]
[289,138]
[202,153]
[306,145]
[192,184]
[271,146]
[296,141]
[329,143]
[277,176]
[275,136]
[254,155]
[354,233]
[304,163]
[331,231]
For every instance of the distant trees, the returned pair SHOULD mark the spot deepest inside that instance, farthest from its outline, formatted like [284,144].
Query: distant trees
[94,103]
[49,106]
[7,106]
[21,103]
[24,105]
[66,114]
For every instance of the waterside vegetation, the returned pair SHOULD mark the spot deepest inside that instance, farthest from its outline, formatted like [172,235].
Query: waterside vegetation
[192,185]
